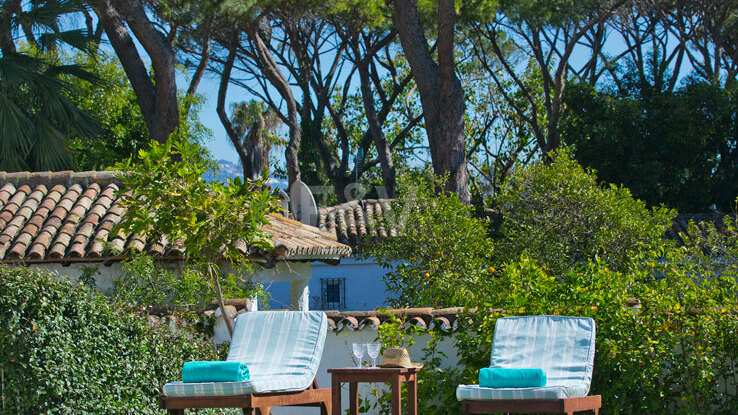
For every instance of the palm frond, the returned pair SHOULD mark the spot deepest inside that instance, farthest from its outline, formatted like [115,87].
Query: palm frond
[77,39]
[50,151]
[37,112]
[15,135]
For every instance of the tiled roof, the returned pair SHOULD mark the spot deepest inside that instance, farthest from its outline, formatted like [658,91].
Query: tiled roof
[352,221]
[68,216]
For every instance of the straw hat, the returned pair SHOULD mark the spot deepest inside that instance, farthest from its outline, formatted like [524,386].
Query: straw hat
[398,357]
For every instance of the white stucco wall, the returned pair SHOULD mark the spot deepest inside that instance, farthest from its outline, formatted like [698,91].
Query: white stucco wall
[364,286]
[292,278]
[104,274]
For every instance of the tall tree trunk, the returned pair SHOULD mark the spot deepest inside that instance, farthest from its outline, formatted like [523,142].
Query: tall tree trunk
[384,153]
[257,150]
[252,150]
[157,98]
[277,78]
[440,90]
[7,44]
[202,66]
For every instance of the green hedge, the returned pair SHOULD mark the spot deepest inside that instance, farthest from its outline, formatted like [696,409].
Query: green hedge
[67,350]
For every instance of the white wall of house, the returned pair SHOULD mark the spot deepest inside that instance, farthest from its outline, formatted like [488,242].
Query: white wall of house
[104,274]
[362,281]
[294,276]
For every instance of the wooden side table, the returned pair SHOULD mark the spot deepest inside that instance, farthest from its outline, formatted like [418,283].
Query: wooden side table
[394,376]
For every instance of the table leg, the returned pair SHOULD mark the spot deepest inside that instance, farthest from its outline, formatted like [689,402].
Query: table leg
[335,395]
[396,396]
[412,395]
[354,398]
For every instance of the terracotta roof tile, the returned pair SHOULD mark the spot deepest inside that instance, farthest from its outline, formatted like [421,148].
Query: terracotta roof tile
[354,220]
[12,206]
[425,319]
[74,221]
[22,215]
[6,192]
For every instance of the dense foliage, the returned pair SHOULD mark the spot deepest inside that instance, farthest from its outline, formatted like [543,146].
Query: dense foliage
[36,110]
[441,252]
[669,353]
[37,113]
[177,286]
[67,350]
[676,148]
[560,217]
[667,332]
[111,104]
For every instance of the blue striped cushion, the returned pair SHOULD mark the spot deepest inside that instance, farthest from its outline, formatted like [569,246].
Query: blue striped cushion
[281,348]
[562,346]
[208,388]
[479,393]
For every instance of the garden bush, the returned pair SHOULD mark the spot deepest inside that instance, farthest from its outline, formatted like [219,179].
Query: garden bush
[666,315]
[441,253]
[666,341]
[560,216]
[67,350]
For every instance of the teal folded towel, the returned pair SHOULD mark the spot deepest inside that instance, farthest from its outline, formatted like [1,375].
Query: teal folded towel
[193,372]
[495,377]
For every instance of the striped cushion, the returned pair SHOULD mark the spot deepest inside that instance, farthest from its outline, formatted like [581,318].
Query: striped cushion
[281,348]
[208,388]
[478,393]
[562,346]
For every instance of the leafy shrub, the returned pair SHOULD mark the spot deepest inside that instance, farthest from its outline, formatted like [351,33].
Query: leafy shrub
[67,350]
[558,215]
[667,335]
[212,221]
[441,252]
[672,353]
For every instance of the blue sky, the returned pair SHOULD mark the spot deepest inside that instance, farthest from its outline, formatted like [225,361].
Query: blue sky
[219,146]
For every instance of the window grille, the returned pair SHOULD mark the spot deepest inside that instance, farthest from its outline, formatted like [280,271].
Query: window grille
[333,293]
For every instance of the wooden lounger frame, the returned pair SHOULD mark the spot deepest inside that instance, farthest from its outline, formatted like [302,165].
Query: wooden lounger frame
[567,406]
[258,403]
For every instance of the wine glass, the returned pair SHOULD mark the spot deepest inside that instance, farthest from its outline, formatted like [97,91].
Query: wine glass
[359,351]
[372,350]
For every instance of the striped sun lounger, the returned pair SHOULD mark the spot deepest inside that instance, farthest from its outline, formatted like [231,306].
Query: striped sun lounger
[282,350]
[563,347]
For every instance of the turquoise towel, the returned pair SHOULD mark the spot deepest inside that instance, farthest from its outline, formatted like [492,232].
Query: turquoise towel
[495,377]
[193,372]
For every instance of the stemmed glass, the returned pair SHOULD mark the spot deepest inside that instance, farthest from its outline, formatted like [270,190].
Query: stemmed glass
[373,351]
[359,351]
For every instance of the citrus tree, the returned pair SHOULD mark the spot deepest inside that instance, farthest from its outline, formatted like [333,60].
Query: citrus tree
[167,198]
